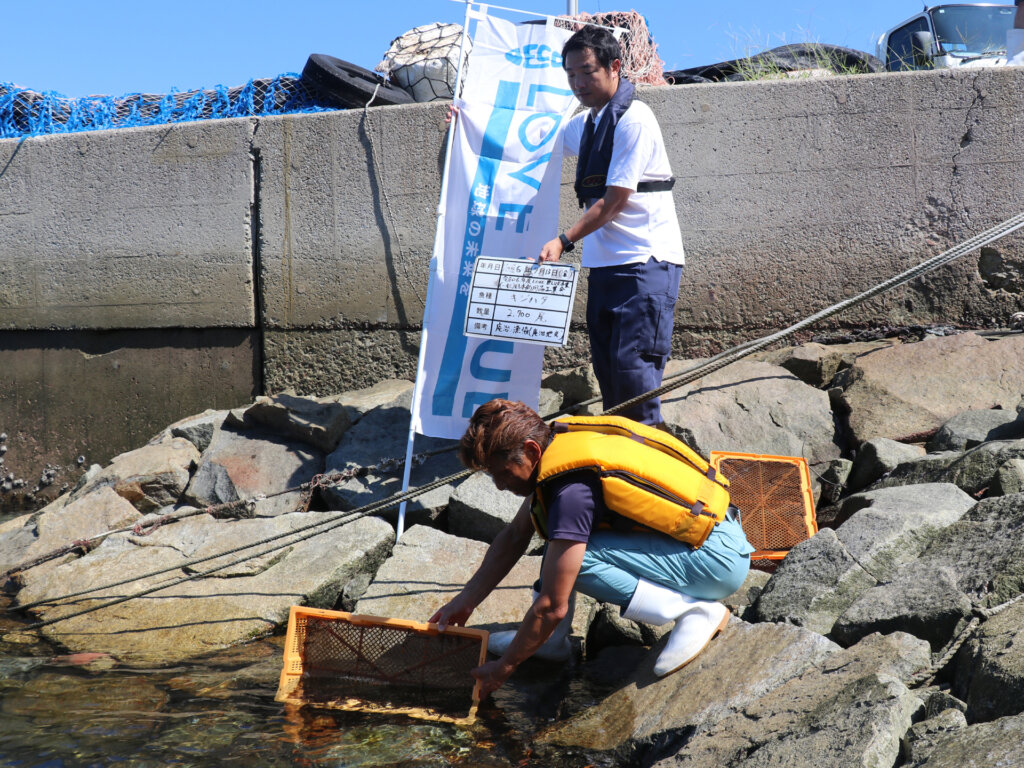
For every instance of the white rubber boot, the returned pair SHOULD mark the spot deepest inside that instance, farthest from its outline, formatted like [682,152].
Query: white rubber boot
[697,621]
[701,621]
[654,604]
[555,648]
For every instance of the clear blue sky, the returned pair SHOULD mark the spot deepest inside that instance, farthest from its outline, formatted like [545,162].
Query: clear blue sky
[115,47]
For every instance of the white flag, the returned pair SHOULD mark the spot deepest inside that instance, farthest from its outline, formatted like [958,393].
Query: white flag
[502,201]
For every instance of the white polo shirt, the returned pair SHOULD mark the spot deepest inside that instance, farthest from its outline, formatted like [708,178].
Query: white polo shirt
[1015,47]
[647,226]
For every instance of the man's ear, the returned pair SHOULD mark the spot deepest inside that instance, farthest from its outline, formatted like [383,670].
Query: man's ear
[532,451]
[616,67]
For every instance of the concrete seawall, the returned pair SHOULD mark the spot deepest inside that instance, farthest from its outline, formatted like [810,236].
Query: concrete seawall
[146,274]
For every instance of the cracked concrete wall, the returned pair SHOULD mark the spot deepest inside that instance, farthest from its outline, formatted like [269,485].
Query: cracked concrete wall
[311,234]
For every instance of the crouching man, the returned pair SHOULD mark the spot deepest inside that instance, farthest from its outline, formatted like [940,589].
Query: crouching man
[627,521]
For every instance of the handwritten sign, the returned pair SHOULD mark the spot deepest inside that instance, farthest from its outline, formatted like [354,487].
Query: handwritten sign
[521,300]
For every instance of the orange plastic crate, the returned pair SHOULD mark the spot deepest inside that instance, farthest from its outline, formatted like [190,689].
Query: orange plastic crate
[340,660]
[774,496]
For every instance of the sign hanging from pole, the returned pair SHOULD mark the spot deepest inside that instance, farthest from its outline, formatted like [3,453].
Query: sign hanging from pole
[521,300]
[501,201]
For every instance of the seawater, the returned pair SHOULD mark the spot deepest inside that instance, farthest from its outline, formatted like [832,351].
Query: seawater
[59,709]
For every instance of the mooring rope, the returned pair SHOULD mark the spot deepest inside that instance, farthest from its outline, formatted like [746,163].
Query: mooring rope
[690,374]
[328,525]
[146,527]
[720,361]
[926,676]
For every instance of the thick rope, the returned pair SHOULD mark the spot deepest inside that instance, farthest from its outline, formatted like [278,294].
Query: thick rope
[691,374]
[720,361]
[327,525]
[926,676]
[216,510]
[138,529]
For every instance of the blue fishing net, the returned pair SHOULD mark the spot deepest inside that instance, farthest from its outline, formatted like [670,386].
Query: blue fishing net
[30,113]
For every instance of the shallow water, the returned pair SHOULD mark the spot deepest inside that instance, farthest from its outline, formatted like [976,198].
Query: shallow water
[82,711]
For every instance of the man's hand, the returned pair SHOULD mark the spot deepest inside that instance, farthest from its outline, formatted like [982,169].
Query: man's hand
[456,613]
[552,251]
[492,676]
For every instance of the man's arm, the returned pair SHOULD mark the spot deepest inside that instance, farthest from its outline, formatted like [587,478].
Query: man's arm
[501,556]
[595,217]
[558,577]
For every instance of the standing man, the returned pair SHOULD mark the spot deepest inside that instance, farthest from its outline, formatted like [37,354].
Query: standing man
[632,243]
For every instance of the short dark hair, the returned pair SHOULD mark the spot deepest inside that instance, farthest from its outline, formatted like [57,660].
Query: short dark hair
[598,39]
[497,432]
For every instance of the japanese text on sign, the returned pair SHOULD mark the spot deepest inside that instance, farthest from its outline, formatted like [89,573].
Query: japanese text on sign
[521,300]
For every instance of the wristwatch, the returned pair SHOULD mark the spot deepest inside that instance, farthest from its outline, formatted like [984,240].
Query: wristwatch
[567,244]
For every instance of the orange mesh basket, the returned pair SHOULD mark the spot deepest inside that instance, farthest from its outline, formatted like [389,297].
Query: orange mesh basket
[773,494]
[339,660]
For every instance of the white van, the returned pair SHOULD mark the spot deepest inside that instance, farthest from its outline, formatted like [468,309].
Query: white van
[949,36]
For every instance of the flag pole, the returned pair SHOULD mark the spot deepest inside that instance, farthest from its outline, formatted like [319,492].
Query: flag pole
[436,258]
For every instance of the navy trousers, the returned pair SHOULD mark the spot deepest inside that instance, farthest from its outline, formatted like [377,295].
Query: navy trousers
[630,314]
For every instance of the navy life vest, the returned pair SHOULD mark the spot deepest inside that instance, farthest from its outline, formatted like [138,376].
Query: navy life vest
[596,150]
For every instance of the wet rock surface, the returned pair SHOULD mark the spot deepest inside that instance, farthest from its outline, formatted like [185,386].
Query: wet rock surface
[826,666]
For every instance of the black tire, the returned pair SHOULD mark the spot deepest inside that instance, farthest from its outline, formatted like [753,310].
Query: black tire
[678,78]
[342,84]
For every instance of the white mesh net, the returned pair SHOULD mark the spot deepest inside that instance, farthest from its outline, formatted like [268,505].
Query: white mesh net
[425,60]
[640,60]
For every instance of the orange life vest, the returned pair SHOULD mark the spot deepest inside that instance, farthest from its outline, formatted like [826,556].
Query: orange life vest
[646,475]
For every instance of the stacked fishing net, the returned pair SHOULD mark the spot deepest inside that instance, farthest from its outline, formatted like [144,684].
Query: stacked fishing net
[29,113]
[640,60]
[425,61]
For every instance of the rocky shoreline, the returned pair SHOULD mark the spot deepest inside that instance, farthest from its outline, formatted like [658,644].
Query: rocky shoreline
[917,455]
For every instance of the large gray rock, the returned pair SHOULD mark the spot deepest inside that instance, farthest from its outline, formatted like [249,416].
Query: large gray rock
[817,364]
[920,740]
[378,442]
[358,402]
[15,539]
[985,744]
[971,428]
[850,710]
[928,468]
[823,576]
[197,429]
[478,510]
[150,477]
[927,604]
[237,603]
[319,424]
[813,585]
[877,457]
[979,560]
[574,384]
[751,407]
[833,481]
[912,389]
[990,667]
[63,522]
[428,568]
[744,663]
[976,471]
[1009,478]
[250,463]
